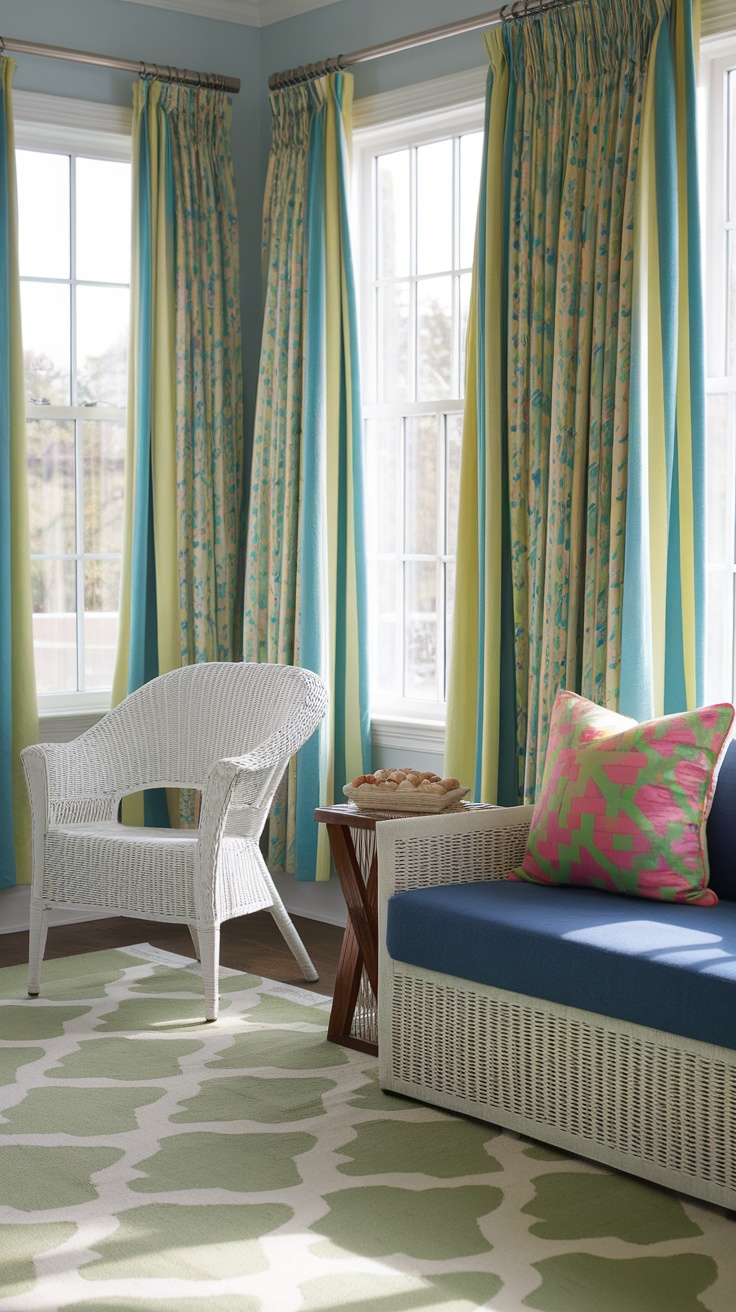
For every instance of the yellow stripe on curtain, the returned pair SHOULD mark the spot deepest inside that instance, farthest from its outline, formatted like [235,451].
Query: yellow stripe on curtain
[18,712]
[473,722]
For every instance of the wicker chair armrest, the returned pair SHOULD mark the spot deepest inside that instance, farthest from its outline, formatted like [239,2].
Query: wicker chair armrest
[59,762]
[43,763]
[451,849]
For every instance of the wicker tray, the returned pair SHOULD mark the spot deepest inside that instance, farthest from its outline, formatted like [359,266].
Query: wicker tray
[370,798]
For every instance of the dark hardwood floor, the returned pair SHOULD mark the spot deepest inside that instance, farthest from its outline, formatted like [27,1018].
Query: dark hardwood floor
[252,943]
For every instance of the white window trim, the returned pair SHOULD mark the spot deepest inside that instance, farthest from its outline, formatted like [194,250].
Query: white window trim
[451,105]
[48,122]
[59,123]
[717,57]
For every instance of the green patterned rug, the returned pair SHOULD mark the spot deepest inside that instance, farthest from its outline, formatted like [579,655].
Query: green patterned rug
[151,1161]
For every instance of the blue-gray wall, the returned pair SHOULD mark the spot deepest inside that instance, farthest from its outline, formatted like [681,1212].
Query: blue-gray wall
[354,24]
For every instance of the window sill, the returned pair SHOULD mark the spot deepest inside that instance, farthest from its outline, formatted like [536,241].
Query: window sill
[394,733]
[397,732]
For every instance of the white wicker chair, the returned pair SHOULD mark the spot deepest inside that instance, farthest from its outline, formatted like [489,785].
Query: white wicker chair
[227,729]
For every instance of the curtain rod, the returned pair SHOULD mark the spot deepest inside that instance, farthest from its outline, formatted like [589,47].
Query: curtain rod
[519,9]
[163,72]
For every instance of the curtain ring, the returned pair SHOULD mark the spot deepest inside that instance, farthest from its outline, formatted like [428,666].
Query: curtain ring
[2,45]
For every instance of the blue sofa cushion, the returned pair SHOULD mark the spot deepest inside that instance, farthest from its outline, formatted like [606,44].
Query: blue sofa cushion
[721,829]
[665,965]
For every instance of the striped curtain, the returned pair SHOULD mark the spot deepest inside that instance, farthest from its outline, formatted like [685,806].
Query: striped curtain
[18,710]
[183,544]
[663,611]
[582,466]
[305,591]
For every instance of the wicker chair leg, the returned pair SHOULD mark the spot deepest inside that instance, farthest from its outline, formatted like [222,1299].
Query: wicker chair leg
[293,941]
[195,940]
[37,945]
[209,945]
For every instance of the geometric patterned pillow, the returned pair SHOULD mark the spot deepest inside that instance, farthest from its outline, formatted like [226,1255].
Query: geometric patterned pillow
[623,805]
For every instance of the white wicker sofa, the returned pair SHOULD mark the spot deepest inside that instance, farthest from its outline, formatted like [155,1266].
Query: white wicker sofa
[644,1099]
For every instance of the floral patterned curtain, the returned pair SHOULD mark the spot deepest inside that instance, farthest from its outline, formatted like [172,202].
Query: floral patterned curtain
[305,592]
[569,574]
[183,548]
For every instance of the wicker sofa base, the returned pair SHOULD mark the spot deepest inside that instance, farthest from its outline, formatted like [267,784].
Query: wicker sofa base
[650,1103]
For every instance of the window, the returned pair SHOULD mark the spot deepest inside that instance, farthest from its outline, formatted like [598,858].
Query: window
[719,232]
[74,248]
[418,200]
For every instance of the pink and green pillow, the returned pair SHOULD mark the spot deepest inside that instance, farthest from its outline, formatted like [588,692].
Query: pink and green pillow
[623,806]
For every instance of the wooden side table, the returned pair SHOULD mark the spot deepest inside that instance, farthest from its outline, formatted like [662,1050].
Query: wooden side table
[352,833]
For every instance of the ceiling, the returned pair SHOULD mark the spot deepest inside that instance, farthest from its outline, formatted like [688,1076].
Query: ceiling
[254,13]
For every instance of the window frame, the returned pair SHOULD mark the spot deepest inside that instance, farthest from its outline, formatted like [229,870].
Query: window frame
[61,125]
[432,111]
[717,60]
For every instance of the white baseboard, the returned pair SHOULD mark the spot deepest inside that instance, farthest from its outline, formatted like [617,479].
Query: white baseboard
[315,900]
[322,901]
[15,911]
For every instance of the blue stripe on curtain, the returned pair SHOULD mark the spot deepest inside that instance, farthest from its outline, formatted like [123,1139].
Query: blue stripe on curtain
[143,653]
[7,847]
[327,634]
[509,793]
[356,407]
[481,442]
[636,696]
[675,697]
[313,603]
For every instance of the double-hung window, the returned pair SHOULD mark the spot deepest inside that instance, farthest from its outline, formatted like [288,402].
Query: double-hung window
[74,250]
[418,182]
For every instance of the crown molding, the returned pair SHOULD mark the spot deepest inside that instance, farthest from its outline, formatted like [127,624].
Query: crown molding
[275,11]
[247,12]
[251,13]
